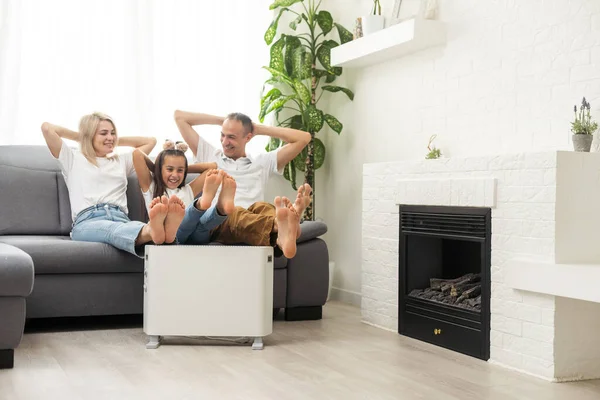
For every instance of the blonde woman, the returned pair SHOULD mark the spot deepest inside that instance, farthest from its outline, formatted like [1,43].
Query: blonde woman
[97,183]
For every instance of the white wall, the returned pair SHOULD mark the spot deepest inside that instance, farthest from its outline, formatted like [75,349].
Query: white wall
[506,81]
[576,340]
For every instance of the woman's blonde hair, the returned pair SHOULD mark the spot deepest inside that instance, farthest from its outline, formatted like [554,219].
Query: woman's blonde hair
[87,129]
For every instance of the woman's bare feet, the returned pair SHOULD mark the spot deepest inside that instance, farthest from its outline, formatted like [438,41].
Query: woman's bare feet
[211,185]
[303,199]
[225,204]
[157,214]
[287,226]
[174,218]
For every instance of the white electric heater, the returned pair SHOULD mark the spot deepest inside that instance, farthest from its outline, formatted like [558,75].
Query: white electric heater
[208,291]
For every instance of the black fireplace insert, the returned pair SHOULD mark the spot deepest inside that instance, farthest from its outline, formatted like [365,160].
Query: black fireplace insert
[444,277]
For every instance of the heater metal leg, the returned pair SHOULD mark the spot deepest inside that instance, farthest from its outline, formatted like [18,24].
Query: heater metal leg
[258,343]
[153,342]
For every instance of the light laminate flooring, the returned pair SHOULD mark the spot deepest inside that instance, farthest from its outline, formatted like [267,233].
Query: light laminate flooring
[337,357]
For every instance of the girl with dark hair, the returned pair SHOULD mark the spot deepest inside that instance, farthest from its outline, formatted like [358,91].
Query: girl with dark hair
[168,180]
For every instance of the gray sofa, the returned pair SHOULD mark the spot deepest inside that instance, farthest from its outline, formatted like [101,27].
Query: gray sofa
[85,279]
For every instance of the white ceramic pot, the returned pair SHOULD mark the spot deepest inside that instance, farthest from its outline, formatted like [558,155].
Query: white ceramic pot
[372,23]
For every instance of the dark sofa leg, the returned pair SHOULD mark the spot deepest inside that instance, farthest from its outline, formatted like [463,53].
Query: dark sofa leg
[303,313]
[7,358]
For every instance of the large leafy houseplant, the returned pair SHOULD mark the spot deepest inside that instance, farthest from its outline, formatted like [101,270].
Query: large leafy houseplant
[301,71]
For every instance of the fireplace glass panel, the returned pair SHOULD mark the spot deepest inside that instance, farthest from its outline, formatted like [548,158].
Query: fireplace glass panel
[443,259]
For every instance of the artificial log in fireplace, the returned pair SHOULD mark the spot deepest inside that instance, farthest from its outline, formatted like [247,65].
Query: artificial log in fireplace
[463,292]
[444,277]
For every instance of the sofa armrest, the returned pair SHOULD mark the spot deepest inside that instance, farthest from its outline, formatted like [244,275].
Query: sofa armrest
[311,230]
[16,272]
[308,275]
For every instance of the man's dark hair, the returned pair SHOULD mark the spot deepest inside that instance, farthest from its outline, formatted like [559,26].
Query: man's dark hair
[244,119]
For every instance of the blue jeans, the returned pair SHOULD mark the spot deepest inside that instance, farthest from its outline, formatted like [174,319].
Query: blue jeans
[197,224]
[106,223]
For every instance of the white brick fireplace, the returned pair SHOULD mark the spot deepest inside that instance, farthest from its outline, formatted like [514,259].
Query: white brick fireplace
[545,261]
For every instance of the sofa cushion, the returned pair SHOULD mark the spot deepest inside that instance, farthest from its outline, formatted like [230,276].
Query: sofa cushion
[29,202]
[311,230]
[30,196]
[36,158]
[64,204]
[135,200]
[61,255]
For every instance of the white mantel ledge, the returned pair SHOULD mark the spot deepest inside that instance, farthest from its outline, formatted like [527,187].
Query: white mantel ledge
[576,281]
[460,192]
[390,43]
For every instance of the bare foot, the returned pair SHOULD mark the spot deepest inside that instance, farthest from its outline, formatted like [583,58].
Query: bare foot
[157,214]
[303,199]
[294,219]
[211,185]
[225,204]
[297,219]
[174,218]
[287,226]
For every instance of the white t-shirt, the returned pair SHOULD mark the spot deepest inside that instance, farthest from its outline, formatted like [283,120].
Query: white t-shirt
[251,173]
[185,193]
[89,184]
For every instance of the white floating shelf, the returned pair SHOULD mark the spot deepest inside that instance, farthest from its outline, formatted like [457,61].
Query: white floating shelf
[576,281]
[393,42]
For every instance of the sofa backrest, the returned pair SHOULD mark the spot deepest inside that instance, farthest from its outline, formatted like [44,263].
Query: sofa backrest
[34,199]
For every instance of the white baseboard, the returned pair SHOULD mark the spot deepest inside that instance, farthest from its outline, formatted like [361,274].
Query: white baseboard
[494,362]
[345,296]
[546,378]
[379,326]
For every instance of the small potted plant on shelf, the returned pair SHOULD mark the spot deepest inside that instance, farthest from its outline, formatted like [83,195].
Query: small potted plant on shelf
[434,152]
[583,127]
[374,21]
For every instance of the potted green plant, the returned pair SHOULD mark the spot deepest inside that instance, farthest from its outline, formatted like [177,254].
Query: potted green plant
[583,127]
[374,21]
[434,152]
[300,63]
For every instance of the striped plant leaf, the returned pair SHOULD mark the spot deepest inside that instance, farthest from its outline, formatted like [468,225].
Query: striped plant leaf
[283,3]
[333,123]
[345,35]
[272,29]
[302,90]
[315,119]
[325,21]
[335,89]
[324,54]
[291,43]
[277,54]
[319,156]
[301,63]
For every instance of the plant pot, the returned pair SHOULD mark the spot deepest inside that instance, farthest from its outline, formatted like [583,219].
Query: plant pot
[582,142]
[371,23]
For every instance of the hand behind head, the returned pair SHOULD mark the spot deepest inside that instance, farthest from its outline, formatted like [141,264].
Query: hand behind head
[170,145]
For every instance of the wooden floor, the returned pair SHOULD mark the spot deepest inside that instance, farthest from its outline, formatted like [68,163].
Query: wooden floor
[335,358]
